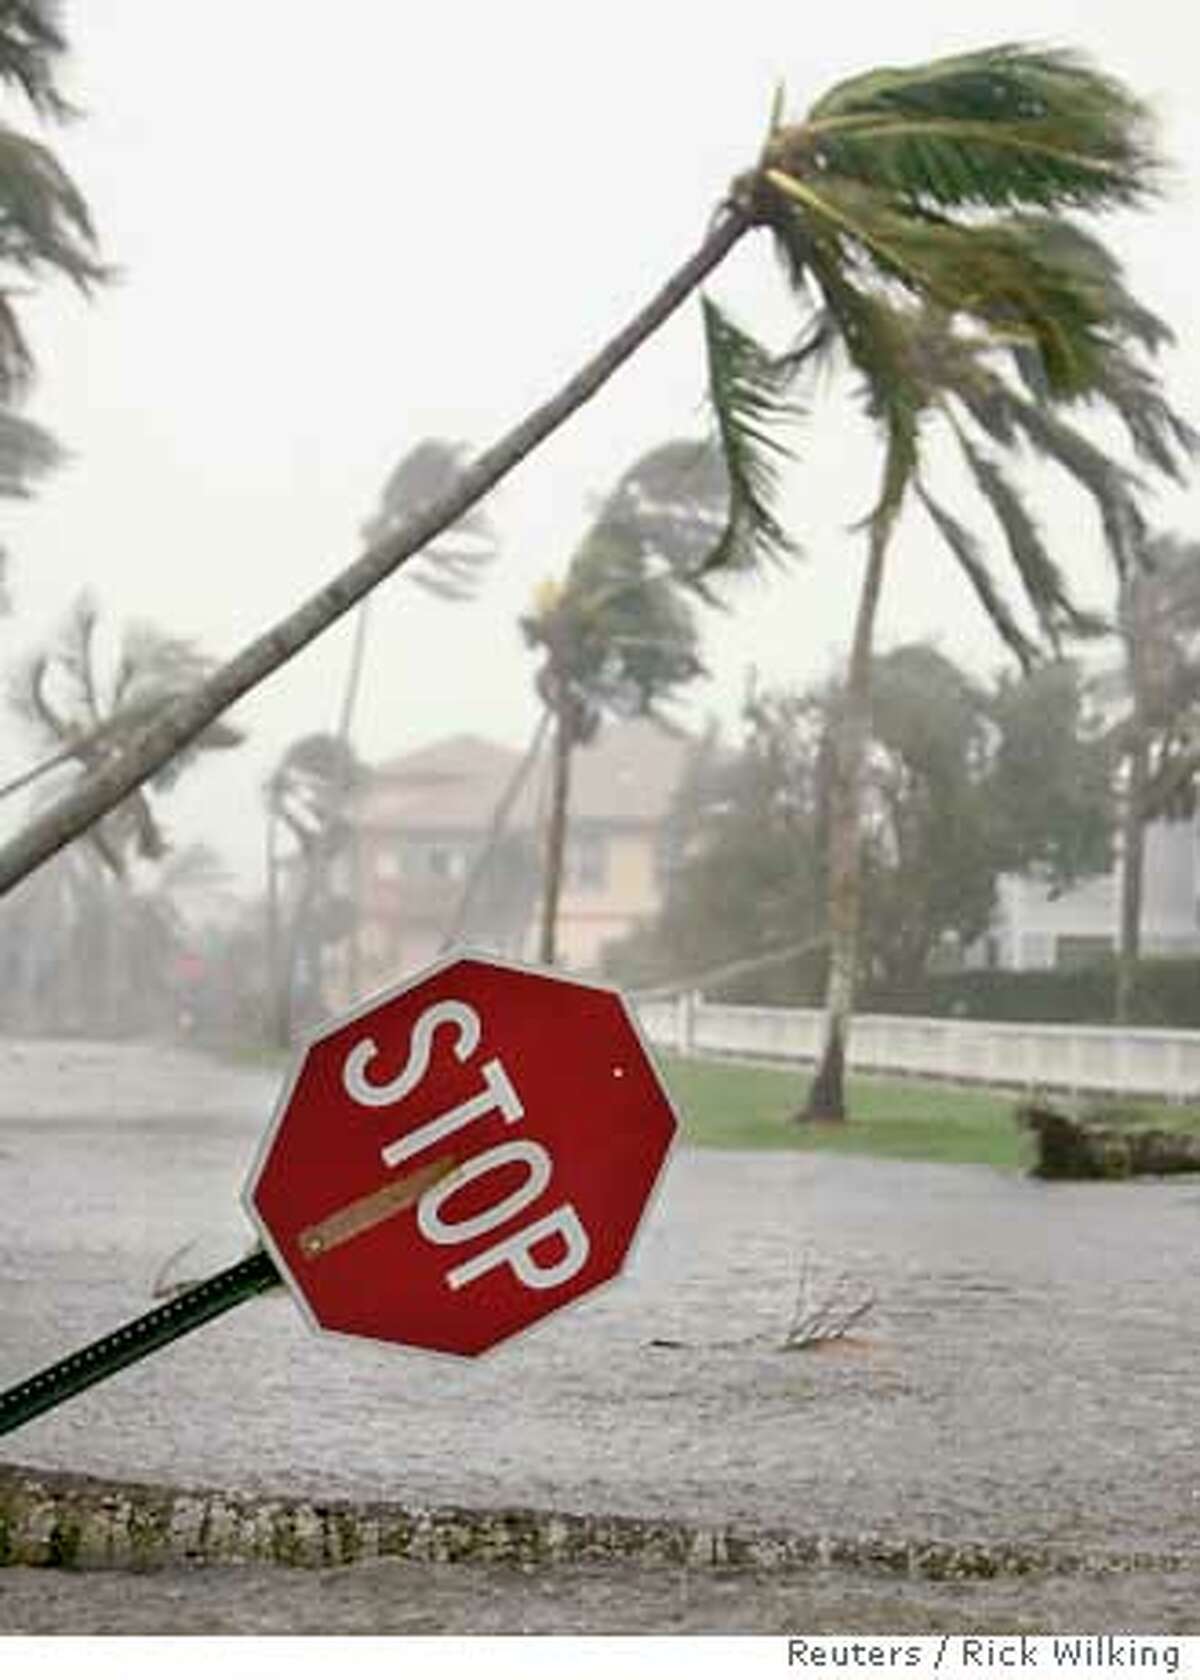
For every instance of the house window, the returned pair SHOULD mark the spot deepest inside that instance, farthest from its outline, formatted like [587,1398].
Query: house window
[585,864]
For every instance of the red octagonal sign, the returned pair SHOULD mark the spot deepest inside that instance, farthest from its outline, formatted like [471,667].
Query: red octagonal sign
[462,1156]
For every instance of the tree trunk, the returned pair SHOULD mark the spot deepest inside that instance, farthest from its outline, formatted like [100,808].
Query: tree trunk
[556,831]
[1133,814]
[186,718]
[500,815]
[279,1024]
[826,1098]
[1133,850]
[345,734]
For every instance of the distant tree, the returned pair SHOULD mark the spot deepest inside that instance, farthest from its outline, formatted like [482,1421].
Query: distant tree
[1156,740]
[744,862]
[83,952]
[961,785]
[1050,785]
[929,852]
[450,566]
[615,634]
[307,797]
[965,785]
[90,718]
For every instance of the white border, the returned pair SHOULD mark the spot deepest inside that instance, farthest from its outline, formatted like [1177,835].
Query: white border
[299,1056]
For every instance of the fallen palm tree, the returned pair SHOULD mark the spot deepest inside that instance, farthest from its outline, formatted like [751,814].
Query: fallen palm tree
[1105,1144]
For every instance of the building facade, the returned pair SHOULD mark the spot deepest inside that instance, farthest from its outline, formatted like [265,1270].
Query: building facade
[1032,929]
[423,866]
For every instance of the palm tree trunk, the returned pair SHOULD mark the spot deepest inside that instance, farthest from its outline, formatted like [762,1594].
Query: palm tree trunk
[826,1098]
[186,718]
[345,734]
[556,833]
[1137,633]
[500,815]
[354,672]
[279,1021]
[1133,850]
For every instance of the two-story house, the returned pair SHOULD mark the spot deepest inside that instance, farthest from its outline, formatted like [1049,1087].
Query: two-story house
[422,825]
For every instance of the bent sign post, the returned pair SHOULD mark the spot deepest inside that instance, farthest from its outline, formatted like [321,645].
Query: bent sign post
[448,1165]
[468,1154]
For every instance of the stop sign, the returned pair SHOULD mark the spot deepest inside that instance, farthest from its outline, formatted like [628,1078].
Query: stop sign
[461,1156]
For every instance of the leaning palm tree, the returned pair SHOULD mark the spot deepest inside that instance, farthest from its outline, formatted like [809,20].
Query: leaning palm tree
[306,796]
[992,399]
[616,636]
[450,567]
[45,228]
[901,181]
[45,225]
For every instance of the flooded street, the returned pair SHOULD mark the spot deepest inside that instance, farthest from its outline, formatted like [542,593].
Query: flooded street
[1028,1377]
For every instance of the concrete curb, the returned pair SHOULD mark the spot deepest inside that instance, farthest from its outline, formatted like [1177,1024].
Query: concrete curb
[55,1518]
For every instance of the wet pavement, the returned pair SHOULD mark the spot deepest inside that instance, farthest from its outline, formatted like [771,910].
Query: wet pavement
[1029,1375]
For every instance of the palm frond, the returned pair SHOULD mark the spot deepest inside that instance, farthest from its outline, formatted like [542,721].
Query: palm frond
[16,358]
[27,452]
[1000,272]
[452,566]
[880,340]
[1004,127]
[671,505]
[963,369]
[1042,579]
[815,349]
[30,40]
[967,551]
[750,396]
[1112,487]
[1066,245]
[1157,432]
[44,220]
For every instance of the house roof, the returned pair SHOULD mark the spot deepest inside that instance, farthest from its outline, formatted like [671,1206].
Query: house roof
[450,784]
[627,775]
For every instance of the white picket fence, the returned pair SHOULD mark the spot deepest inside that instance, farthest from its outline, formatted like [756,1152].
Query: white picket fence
[1134,1060]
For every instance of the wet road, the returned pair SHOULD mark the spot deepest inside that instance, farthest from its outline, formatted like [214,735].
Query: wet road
[1029,1374]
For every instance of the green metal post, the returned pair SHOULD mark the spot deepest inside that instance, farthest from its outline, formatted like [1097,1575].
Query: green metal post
[133,1341]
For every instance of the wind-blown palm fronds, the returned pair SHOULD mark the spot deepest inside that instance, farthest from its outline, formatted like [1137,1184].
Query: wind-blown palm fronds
[27,451]
[920,210]
[748,389]
[938,180]
[45,228]
[91,720]
[452,566]
[30,41]
[965,547]
[1006,126]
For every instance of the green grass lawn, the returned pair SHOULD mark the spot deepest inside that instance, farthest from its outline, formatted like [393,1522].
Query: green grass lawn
[730,1105]
[737,1105]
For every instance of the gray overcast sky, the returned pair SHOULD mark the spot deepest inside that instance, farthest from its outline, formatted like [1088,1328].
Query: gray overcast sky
[344,228]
